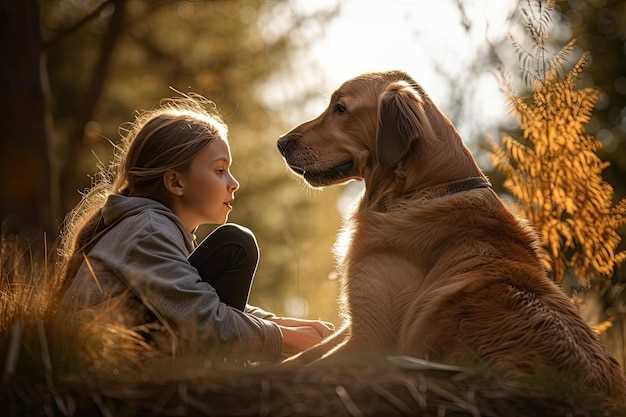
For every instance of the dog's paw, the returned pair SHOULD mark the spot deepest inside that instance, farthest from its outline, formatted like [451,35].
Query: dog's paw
[295,361]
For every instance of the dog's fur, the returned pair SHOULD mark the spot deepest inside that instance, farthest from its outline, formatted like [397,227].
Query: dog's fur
[456,278]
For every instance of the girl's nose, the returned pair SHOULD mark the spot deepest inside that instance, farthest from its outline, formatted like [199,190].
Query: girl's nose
[234,184]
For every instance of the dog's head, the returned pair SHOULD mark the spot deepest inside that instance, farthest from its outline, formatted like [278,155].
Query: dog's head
[371,120]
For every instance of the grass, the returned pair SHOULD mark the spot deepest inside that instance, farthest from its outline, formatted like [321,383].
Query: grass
[61,362]
[366,390]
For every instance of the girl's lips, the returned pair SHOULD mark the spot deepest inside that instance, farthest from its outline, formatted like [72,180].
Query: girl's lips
[229,204]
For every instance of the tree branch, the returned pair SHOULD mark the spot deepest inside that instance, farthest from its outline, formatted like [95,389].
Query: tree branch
[465,20]
[76,26]
[90,99]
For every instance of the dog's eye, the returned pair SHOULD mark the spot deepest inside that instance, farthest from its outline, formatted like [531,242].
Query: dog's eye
[339,108]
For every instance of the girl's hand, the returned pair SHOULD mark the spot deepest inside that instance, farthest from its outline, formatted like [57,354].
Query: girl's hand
[324,328]
[297,339]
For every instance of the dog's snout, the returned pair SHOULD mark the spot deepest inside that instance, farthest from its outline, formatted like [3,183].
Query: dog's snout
[285,143]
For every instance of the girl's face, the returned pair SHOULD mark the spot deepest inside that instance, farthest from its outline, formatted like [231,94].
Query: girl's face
[209,187]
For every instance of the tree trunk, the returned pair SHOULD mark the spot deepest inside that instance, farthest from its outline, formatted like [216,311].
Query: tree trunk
[69,177]
[25,174]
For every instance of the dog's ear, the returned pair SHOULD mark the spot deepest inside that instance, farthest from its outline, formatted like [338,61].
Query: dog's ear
[401,121]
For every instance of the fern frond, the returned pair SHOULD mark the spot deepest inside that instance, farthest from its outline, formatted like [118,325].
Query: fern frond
[578,68]
[545,18]
[524,57]
[555,67]
[554,172]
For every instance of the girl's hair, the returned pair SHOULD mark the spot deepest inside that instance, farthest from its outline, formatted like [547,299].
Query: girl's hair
[164,138]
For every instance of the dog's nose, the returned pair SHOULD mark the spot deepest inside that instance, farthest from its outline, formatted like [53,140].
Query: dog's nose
[284,144]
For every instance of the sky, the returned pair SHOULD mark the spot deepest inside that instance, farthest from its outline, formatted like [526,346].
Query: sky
[424,38]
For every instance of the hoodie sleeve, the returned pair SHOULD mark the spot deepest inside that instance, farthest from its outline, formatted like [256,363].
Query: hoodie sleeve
[259,312]
[158,269]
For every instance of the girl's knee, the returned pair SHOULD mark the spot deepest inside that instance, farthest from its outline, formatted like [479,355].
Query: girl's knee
[242,236]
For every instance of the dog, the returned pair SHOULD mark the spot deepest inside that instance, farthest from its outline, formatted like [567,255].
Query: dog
[437,267]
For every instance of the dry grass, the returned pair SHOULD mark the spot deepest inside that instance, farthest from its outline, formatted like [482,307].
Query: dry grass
[42,340]
[366,390]
[60,362]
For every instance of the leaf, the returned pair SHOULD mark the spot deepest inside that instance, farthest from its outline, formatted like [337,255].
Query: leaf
[555,67]
[602,327]
[578,68]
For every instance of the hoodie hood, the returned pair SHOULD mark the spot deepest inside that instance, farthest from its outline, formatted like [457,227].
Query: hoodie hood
[119,206]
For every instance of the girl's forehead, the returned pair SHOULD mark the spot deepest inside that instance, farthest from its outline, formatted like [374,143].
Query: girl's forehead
[217,149]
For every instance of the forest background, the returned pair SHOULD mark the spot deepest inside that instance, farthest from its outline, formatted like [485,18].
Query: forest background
[78,70]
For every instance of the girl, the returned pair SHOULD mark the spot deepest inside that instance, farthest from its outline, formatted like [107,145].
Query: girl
[134,237]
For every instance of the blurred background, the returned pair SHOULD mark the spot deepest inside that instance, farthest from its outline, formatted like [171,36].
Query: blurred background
[80,69]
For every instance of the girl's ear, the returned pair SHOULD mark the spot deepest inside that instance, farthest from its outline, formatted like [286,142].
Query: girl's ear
[173,182]
[401,121]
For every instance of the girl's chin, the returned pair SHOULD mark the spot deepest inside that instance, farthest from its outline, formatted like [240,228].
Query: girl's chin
[219,216]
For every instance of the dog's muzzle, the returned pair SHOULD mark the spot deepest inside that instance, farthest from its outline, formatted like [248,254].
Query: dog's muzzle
[285,144]
[314,176]
[327,176]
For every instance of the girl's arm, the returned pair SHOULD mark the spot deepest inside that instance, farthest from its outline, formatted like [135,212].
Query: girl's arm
[158,270]
[323,328]
[259,312]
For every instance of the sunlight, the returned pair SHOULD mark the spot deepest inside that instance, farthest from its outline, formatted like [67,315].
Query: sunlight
[425,39]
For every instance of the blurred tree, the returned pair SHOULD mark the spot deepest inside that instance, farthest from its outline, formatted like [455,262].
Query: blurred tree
[25,186]
[92,92]
[109,58]
[600,27]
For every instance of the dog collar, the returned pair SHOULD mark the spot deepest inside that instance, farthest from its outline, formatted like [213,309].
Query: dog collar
[441,190]
[465,184]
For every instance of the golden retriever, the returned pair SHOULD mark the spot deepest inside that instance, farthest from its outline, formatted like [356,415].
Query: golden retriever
[437,266]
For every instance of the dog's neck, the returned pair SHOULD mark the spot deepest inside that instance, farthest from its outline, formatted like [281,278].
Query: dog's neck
[440,190]
[428,166]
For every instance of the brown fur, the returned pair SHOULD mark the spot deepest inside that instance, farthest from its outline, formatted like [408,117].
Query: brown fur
[455,278]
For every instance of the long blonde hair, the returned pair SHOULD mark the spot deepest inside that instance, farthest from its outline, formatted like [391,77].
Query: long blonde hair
[158,140]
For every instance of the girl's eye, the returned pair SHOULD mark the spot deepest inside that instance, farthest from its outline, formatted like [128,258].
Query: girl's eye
[220,171]
[339,108]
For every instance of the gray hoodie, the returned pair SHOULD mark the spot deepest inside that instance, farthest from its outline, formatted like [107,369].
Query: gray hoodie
[144,248]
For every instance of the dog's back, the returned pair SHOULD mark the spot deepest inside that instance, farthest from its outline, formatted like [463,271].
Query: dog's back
[484,295]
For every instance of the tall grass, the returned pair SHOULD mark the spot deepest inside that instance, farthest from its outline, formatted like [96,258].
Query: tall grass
[42,340]
[59,361]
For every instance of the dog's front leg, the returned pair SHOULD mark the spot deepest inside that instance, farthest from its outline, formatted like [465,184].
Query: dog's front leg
[371,286]
[319,350]
[352,350]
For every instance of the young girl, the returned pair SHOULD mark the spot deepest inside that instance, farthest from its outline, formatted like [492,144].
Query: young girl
[135,235]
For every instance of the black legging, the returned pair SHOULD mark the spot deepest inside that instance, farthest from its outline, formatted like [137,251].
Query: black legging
[227,259]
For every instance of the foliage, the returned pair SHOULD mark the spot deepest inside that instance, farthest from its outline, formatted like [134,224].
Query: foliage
[42,343]
[599,28]
[554,171]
